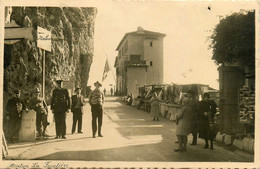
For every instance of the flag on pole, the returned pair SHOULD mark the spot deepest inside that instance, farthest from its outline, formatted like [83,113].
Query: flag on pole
[106,70]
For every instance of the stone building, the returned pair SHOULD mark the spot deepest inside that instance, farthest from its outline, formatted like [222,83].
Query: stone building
[139,61]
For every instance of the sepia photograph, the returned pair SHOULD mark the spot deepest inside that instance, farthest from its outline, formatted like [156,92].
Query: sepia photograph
[129,83]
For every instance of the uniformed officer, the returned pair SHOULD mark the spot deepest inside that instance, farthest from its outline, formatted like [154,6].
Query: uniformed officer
[14,109]
[60,104]
[96,100]
[39,105]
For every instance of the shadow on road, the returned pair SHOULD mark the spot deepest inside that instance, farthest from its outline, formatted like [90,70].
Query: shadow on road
[42,142]
[139,153]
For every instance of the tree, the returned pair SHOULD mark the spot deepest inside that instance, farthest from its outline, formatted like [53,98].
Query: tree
[233,39]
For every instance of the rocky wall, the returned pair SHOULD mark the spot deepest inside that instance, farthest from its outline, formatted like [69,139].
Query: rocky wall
[72,32]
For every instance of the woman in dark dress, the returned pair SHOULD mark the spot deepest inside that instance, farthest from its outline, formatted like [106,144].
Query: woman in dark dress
[207,111]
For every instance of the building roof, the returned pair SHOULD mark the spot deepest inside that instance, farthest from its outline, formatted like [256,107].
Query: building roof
[115,64]
[210,88]
[140,31]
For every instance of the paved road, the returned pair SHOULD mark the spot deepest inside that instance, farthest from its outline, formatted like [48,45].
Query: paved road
[129,135]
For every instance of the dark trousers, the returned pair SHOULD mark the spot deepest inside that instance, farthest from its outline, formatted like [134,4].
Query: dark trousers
[13,128]
[41,121]
[194,135]
[209,136]
[97,113]
[194,131]
[77,117]
[60,123]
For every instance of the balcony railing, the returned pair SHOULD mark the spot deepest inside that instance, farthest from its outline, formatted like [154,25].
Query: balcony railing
[141,63]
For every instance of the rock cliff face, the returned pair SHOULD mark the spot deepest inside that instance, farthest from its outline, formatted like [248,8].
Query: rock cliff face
[72,48]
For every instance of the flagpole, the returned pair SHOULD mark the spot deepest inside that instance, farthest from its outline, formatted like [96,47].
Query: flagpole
[111,70]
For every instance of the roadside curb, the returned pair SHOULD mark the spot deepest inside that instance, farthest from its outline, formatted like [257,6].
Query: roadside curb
[246,144]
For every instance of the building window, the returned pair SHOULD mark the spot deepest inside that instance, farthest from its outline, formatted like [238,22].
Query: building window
[151,44]
[151,63]
[135,57]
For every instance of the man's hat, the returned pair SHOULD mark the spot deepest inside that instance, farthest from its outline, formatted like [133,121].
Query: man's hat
[37,90]
[77,88]
[97,83]
[206,95]
[59,80]
[17,91]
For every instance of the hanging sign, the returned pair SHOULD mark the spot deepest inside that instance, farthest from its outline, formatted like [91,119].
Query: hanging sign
[14,33]
[43,39]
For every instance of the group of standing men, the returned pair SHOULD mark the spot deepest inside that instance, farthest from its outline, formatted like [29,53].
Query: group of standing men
[111,91]
[60,106]
[16,106]
[203,113]
[195,117]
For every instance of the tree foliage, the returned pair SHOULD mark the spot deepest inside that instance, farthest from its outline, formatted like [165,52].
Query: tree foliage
[233,39]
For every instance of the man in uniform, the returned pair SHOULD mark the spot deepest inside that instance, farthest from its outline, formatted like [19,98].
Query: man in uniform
[39,105]
[14,109]
[96,100]
[194,108]
[76,109]
[60,104]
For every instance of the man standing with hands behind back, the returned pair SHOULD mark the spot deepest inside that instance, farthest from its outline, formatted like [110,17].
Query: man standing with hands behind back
[96,100]
[76,109]
[60,104]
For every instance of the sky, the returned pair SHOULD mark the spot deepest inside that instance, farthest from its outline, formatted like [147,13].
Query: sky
[187,25]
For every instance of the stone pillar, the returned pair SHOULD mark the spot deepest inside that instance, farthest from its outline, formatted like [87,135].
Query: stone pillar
[230,80]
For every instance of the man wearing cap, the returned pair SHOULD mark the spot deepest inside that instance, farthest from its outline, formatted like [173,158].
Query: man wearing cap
[96,100]
[39,105]
[193,104]
[76,109]
[14,109]
[60,104]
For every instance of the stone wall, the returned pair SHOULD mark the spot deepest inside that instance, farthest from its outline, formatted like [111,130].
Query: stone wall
[72,48]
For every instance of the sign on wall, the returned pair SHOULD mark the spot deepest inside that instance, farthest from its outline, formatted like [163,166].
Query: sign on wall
[43,39]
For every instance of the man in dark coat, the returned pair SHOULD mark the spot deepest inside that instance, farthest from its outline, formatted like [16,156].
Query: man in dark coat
[207,111]
[14,109]
[111,91]
[60,104]
[194,108]
[96,100]
[77,110]
[39,105]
